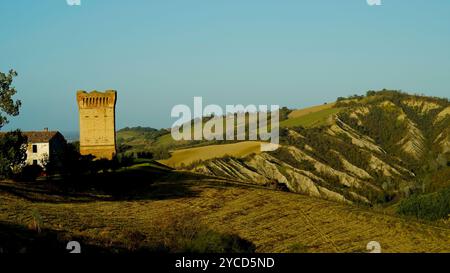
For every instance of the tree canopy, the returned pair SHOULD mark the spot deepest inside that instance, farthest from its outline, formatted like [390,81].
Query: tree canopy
[13,153]
[8,106]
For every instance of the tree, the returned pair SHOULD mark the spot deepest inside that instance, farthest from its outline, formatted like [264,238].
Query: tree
[13,153]
[8,107]
[284,113]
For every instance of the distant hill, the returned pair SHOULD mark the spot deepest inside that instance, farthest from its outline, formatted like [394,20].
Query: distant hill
[140,140]
[71,136]
[139,135]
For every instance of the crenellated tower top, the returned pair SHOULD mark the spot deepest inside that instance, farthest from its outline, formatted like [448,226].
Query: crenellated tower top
[96,99]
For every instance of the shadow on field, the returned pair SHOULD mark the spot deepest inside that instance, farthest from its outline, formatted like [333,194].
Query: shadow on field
[177,235]
[143,183]
[16,239]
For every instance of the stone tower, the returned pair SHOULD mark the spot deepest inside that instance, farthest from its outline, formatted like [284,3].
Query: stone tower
[97,123]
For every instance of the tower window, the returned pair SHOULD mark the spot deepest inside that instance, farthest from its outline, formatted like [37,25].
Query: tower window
[34,149]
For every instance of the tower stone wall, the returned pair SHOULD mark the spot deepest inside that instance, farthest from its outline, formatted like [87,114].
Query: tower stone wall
[97,123]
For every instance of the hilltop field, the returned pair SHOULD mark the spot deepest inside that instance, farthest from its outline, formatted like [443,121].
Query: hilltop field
[274,221]
[184,157]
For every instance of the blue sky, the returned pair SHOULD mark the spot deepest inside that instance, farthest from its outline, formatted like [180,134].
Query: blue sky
[158,54]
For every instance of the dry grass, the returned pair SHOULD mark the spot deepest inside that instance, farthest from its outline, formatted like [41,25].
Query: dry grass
[274,221]
[191,155]
[314,119]
[311,116]
[305,111]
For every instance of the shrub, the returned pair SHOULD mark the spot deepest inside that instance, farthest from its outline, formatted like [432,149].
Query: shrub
[208,241]
[186,234]
[36,222]
[431,207]
[145,155]
[298,248]
[30,173]
[284,113]
[134,240]
[12,153]
[125,160]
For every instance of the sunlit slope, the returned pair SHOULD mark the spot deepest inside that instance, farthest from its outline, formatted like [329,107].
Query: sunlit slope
[309,110]
[284,222]
[310,118]
[191,155]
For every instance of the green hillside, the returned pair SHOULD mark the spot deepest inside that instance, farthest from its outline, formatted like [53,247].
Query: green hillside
[314,119]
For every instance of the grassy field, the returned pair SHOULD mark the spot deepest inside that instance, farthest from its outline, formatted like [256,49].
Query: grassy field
[273,221]
[191,155]
[315,116]
[309,110]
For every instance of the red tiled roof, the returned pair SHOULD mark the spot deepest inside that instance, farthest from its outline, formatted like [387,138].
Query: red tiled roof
[38,136]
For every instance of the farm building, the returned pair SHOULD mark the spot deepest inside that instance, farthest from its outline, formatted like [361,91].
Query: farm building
[44,145]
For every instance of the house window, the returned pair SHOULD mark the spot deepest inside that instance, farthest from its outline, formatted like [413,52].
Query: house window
[34,162]
[34,149]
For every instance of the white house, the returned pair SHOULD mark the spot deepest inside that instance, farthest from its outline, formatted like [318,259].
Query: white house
[44,145]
